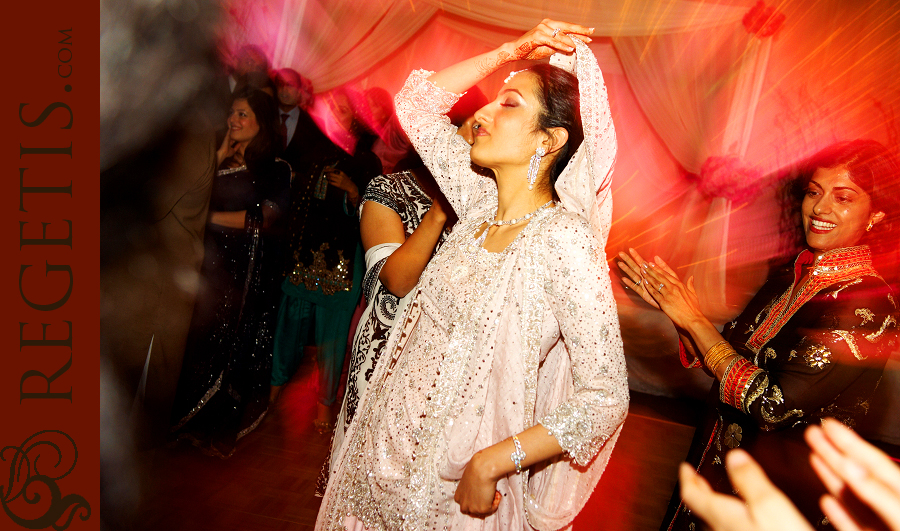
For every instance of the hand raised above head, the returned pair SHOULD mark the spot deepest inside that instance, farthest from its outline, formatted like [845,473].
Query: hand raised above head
[549,37]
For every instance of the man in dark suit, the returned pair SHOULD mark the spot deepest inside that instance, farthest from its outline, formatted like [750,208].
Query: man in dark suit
[298,129]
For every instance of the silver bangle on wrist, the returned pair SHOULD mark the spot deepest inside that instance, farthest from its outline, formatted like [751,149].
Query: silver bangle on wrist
[518,455]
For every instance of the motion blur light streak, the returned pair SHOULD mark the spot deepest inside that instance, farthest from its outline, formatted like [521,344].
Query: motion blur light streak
[707,222]
[707,260]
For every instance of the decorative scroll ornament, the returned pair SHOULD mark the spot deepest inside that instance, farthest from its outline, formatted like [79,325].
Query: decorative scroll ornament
[34,491]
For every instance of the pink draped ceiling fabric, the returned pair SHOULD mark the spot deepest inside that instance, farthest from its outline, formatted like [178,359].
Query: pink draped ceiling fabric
[711,100]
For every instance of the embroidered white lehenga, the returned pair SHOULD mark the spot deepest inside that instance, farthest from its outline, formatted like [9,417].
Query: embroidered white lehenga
[491,344]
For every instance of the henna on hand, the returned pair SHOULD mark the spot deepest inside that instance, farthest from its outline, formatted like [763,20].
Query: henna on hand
[524,50]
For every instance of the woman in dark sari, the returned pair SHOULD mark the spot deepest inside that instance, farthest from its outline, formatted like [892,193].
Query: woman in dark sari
[223,388]
[813,341]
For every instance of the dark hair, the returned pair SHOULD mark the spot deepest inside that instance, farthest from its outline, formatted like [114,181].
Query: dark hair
[557,92]
[263,147]
[871,166]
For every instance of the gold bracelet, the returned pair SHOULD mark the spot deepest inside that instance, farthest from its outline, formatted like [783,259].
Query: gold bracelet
[723,382]
[717,353]
[727,360]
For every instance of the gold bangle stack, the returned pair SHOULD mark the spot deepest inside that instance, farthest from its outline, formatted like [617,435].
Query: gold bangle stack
[717,354]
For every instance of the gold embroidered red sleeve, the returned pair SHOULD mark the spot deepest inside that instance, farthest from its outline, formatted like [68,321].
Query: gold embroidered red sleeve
[826,366]
[739,379]
[688,360]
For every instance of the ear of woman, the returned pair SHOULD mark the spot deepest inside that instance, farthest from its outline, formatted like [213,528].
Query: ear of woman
[556,139]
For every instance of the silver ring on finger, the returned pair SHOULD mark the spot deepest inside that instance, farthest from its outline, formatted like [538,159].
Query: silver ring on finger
[555,31]
[638,283]
[660,287]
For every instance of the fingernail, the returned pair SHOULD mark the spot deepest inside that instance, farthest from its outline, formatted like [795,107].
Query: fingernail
[652,264]
[590,30]
[644,265]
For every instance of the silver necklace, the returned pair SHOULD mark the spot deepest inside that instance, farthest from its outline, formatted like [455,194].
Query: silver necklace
[499,222]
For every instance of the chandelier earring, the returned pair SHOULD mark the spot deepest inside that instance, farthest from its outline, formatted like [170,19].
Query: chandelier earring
[535,165]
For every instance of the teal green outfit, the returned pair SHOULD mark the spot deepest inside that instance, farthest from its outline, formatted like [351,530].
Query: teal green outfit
[323,275]
[330,317]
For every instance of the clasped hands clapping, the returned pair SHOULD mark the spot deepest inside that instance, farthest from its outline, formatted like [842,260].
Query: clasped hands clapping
[659,286]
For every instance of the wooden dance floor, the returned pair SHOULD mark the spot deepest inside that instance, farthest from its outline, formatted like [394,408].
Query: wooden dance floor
[267,485]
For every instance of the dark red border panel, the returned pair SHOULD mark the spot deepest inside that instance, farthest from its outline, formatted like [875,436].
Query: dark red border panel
[49,270]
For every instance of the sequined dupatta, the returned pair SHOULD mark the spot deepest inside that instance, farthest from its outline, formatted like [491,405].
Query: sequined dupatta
[558,490]
[584,187]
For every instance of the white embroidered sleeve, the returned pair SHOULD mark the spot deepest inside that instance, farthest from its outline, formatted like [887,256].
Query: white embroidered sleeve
[581,299]
[421,108]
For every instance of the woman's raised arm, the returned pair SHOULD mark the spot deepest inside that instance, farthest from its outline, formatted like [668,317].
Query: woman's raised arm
[545,39]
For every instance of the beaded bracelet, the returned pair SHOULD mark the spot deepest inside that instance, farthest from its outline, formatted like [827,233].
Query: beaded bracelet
[518,455]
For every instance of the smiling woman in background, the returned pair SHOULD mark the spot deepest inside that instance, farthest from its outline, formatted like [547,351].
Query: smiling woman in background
[223,388]
[813,341]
